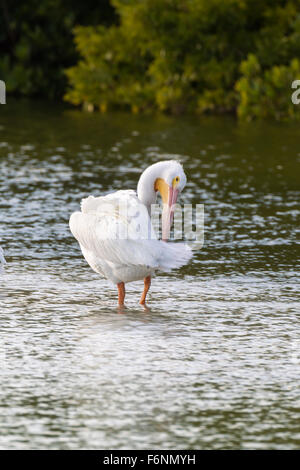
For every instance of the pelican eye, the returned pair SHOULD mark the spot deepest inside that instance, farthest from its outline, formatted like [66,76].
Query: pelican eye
[175,181]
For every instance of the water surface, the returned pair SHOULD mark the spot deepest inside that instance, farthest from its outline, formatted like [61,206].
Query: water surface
[215,363]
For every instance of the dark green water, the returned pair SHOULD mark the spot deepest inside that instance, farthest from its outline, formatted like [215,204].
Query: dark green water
[215,364]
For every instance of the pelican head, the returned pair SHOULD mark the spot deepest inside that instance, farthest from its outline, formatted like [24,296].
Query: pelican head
[167,178]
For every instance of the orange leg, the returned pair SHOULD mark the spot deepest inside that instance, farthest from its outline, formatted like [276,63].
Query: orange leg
[147,284]
[121,291]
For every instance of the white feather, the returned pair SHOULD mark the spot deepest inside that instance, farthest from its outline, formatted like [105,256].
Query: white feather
[118,241]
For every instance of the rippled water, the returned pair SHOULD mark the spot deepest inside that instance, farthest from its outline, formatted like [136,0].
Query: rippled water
[215,363]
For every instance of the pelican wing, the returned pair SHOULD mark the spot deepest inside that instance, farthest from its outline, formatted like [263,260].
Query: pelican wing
[117,229]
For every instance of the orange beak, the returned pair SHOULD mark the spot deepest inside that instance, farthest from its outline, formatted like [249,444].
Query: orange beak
[169,196]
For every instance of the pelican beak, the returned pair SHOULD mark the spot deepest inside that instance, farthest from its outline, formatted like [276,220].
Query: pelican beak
[169,196]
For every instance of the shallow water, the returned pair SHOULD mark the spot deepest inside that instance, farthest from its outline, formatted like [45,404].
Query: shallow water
[215,363]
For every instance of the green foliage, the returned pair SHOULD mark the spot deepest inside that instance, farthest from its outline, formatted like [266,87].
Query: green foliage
[267,93]
[199,56]
[191,55]
[37,44]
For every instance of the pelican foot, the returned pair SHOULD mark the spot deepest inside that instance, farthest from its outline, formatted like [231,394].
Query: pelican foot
[145,306]
[121,309]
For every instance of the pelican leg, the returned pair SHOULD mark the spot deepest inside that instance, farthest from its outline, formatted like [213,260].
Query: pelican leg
[121,292]
[147,284]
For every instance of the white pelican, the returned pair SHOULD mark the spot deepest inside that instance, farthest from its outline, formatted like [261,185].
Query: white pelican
[121,245]
[2,259]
